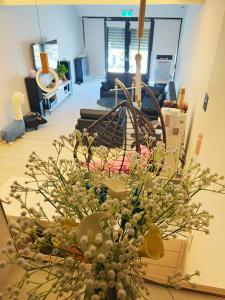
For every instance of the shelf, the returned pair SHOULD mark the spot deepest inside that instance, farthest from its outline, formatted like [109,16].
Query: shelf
[63,85]
[42,102]
[55,103]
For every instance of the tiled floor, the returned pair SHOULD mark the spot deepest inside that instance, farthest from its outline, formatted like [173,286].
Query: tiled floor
[13,156]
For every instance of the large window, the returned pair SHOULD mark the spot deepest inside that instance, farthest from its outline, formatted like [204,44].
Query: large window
[144,48]
[116,49]
[122,46]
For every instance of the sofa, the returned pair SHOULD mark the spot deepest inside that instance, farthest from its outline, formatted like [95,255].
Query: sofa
[114,123]
[162,93]
[88,117]
[109,83]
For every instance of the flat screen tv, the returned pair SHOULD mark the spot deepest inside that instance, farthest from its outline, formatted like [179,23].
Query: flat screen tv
[51,48]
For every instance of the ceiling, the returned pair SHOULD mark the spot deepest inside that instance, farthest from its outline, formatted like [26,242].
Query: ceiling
[75,2]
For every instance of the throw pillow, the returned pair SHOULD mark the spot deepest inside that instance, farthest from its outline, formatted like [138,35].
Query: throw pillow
[161,99]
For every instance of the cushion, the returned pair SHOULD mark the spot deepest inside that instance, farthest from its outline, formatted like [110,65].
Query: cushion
[92,114]
[157,90]
[84,123]
[161,99]
[112,76]
[170,91]
[106,85]
[126,78]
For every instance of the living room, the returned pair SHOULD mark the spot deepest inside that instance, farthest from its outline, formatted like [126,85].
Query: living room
[186,41]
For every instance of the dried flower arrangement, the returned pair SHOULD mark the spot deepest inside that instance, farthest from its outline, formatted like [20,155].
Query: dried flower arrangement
[104,221]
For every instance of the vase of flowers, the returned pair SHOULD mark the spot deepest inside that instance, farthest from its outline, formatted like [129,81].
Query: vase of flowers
[102,222]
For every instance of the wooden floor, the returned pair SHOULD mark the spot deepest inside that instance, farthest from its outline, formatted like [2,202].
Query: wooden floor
[13,158]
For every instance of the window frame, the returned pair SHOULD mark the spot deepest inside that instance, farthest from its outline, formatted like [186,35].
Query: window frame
[127,41]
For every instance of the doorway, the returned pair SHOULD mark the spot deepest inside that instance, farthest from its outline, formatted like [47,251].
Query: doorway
[122,45]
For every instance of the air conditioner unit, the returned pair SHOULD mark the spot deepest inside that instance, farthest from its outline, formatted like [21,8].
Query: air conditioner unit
[163,68]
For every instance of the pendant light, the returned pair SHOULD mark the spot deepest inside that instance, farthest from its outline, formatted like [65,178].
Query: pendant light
[45,66]
[138,57]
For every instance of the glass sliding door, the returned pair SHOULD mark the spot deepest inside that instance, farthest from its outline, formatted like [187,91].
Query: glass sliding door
[116,46]
[144,48]
[122,46]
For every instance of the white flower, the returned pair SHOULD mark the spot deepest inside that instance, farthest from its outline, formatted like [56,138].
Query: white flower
[89,283]
[87,254]
[22,263]
[108,244]
[69,260]
[121,294]
[98,239]
[92,249]
[136,217]
[101,258]
[111,274]
[83,240]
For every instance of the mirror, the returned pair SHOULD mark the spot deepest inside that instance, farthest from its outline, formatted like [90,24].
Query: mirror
[48,83]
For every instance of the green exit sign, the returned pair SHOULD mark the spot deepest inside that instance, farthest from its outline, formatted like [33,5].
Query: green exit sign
[127,12]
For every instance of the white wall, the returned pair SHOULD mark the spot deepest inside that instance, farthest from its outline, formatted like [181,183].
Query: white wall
[18,29]
[188,44]
[199,39]
[202,70]
[165,39]
[95,46]
[169,11]
[165,42]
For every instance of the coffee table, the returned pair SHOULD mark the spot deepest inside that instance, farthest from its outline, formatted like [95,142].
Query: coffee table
[109,102]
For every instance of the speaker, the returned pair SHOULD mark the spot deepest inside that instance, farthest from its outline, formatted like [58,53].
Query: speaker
[35,97]
[81,68]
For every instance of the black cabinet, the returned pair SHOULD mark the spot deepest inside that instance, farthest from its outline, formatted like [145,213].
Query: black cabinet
[35,97]
[81,68]
[40,101]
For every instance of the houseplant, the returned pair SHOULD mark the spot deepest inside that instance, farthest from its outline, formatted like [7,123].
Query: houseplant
[104,222]
[61,71]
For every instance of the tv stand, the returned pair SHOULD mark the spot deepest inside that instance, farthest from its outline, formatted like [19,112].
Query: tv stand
[42,102]
[52,100]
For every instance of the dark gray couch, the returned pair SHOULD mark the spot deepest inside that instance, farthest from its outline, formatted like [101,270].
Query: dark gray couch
[162,93]
[109,83]
[89,116]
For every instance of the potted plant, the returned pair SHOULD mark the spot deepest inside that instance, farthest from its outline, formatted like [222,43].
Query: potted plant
[61,71]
